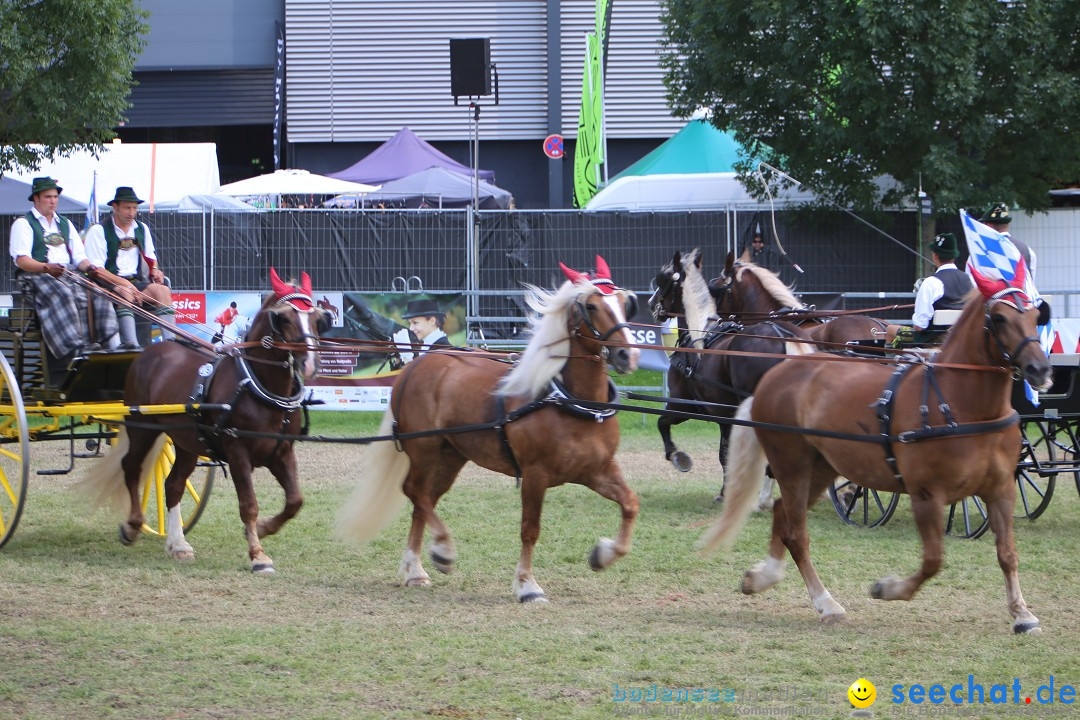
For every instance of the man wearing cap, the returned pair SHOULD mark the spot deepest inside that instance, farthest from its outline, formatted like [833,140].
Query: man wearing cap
[762,254]
[944,290]
[123,246]
[426,324]
[997,217]
[46,249]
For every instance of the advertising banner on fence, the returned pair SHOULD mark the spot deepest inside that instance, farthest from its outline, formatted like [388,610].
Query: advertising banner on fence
[354,378]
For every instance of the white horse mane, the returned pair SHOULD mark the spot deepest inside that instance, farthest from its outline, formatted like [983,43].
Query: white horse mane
[549,344]
[772,284]
[697,300]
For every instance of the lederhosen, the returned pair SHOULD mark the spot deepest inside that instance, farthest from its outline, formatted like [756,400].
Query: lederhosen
[62,308]
[112,248]
[957,285]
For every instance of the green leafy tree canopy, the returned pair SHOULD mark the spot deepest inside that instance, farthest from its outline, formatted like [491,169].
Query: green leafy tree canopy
[65,74]
[978,98]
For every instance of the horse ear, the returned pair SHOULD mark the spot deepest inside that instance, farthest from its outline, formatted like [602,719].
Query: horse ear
[573,275]
[279,286]
[699,258]
[602,270]
[305,283]
[676,262]
[729,262]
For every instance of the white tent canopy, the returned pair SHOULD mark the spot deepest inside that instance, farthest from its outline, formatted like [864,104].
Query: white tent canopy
[159,172]
[292,182]
[690,191]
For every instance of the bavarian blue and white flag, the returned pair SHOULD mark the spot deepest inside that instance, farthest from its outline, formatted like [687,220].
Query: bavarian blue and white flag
[995,263]
[91,208]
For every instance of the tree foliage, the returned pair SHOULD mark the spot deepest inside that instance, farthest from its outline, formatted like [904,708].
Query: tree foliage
[65,74]
[979,98]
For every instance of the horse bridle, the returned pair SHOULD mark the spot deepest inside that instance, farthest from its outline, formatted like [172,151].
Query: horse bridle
[586,316]
[1002,296]
[288,299]
[656,300]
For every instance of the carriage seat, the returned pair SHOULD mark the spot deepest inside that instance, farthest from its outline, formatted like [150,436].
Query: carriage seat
[945,318]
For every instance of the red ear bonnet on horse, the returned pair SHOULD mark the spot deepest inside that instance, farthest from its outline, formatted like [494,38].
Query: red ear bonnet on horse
[299,298]
[573,275]
[603,281]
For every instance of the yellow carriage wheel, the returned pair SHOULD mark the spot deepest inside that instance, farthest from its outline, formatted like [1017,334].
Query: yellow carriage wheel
[14,452]
[196,492]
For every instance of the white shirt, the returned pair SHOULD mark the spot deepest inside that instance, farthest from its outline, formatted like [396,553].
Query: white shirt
[22,240]
[127,261]
[931,290]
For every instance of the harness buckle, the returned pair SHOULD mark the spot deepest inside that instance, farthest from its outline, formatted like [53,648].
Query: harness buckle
[906,437]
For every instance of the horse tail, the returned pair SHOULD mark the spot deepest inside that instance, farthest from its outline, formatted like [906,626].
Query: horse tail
[746,467]
[104,485]
[377,499]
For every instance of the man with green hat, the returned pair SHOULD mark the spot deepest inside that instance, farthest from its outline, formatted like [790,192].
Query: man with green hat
[997,218]
[123,246]
[944,290]
[46,251]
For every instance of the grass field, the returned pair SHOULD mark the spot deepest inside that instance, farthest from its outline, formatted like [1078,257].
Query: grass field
[91,629]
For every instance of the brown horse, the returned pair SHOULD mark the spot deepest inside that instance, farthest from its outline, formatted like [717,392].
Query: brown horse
[926,456]
[722,379]
[753,293]
[547,443]
[263,384]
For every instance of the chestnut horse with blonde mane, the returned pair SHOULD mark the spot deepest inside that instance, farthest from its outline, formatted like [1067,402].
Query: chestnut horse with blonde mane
[521,420]
[872,423]
[262,384]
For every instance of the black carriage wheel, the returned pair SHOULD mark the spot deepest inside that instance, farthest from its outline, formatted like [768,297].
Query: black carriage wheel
[967,519]
[860,506]
[14,453]
[1041,444]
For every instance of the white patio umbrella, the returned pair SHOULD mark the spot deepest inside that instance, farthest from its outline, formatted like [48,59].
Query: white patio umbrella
[293,182]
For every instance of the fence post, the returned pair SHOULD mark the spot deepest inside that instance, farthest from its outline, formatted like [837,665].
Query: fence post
[208,257]
[472,262]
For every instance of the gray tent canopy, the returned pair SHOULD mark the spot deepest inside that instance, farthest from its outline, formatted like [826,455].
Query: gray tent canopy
[431,188]
[13,194]
[402,155]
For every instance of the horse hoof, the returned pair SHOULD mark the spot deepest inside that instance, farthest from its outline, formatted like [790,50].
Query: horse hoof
[877,591]
[602,554]
[418,582]
[834,619]
[681,461]
[444,565]
[1027,628]
[536,598]
[262,568]
[124,539]
[183,555]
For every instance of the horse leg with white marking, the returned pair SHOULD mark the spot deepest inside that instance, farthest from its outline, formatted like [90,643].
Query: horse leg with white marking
[176,545]
[424,486]
[525,587]
[1000,511]
[240,468]
[801,480]
[612,486]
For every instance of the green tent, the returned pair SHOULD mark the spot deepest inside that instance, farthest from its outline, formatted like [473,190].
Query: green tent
[697,148]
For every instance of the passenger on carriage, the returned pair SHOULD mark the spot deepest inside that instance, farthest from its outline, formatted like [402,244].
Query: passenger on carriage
[123,246]
[998,218]
[44,245]
[944,290]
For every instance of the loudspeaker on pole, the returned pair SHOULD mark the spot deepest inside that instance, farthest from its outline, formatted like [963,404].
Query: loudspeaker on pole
[470,67]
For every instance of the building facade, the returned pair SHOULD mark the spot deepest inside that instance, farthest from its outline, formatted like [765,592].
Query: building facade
[357,71]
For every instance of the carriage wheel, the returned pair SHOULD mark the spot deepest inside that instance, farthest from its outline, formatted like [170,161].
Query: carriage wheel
[857,505]
[967,519]
[14,453]
[195,496]
[1042,444]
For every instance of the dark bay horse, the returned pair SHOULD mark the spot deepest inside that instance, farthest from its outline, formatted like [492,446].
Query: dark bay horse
[577,328]
[753,293]
[263,384]
[681,291]
[926,457]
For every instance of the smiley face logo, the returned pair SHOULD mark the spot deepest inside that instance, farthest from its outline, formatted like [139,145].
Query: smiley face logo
[862,693]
